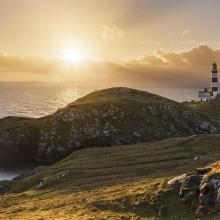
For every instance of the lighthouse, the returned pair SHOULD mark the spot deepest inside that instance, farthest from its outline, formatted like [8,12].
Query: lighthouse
[214,83]
[209,94]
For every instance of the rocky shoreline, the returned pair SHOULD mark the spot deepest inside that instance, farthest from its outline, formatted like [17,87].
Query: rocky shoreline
[5,184]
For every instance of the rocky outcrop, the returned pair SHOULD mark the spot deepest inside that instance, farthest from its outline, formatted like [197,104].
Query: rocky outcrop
[199,190]
[115,116]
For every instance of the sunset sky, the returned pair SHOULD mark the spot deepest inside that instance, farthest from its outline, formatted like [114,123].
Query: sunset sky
[139,37]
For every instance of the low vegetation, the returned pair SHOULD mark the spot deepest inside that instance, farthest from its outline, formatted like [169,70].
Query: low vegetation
[122,182]
[149,172]
[210,109]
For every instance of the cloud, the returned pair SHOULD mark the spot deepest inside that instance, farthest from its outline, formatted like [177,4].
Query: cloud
[171,69]
[163,69]
[27,64]
[148,59]
[111,32]
[185,33]
[199,56]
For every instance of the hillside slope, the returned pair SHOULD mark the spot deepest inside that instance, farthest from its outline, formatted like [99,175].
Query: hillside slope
[109,117]
[122,182]
[210,109]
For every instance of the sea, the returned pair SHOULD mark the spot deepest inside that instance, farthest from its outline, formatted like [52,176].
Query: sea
[38,99]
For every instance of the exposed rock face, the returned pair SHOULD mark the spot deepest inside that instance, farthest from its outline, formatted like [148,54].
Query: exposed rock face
[110,117]
[202,188]
[177,182]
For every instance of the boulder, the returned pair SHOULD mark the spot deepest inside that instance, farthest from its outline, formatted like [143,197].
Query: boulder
[217,200]
[40,185]
[176,182]
[208,189]
[199,190]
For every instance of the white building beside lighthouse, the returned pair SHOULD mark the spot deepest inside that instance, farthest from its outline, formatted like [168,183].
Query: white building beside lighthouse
[207,94]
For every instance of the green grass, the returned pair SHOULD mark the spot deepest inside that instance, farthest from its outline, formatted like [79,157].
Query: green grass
[98,165]
[210,109]
[124,96]
[122,182]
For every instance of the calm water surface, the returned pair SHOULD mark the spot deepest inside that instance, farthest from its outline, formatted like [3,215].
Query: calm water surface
[40,99]
[11,171]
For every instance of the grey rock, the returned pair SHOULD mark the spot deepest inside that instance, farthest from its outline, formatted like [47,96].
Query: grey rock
[217,200]
[176,182]
[39,186]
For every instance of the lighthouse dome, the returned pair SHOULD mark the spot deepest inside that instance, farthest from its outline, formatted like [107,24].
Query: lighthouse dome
[214,65]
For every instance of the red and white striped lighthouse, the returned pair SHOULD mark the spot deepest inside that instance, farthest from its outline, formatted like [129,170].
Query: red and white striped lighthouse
[214,84]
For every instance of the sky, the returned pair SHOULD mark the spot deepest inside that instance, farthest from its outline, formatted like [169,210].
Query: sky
[109,40]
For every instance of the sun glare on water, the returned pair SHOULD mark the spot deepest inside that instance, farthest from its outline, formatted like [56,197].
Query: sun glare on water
[72,55]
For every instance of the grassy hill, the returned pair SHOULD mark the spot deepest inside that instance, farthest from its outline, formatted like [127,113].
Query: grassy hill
[122,182]
[210,109]
[116,116]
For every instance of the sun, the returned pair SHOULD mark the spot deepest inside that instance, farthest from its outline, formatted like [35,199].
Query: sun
[72,55]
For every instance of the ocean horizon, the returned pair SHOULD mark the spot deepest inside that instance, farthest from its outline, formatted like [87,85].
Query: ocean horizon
[37,99]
